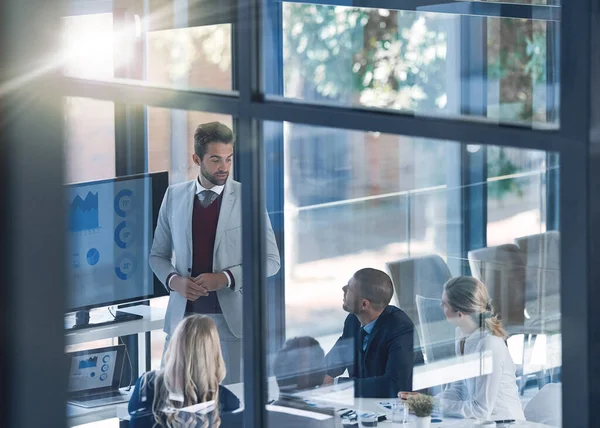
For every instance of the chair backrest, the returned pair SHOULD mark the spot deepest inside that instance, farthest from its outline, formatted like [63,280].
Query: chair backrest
[541,253]
[502,270]
[418,275]
[546,406]
[437,334]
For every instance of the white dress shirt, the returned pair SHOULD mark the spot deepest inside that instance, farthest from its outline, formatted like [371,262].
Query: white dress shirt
[493,396]
[200,188]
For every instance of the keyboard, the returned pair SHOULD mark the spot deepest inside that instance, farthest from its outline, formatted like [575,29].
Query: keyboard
[103,399]
[120,317]
[101,395]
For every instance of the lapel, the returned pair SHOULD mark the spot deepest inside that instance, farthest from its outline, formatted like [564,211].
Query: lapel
[376,328]
[188,209]
[225,212]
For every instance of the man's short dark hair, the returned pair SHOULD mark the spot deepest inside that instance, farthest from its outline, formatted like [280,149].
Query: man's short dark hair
[299,364]
[375,286]
[212,132]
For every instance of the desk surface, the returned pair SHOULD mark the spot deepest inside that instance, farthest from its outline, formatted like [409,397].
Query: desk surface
[154,319]
[78,415]
[343,396]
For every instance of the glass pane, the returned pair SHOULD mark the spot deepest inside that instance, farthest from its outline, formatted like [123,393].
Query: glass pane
[502,69]
[375,231]
[110,45]
[90,139]
[529,2]
[171,137]
[125,238]
[516,186]
[198,57]
[88,46]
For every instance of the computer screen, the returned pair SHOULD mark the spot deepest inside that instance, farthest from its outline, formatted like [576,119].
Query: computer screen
[92,370]
[110,229]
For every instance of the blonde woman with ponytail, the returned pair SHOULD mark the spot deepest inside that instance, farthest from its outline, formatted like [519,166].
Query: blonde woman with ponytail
[494,396]
[192,374]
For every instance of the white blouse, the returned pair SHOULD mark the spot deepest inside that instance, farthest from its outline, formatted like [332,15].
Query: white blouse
[493,396]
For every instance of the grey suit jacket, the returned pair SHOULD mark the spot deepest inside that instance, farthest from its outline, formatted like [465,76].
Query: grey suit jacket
[172,249]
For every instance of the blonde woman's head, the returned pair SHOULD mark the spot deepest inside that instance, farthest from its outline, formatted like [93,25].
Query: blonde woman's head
[194,366]
[466,296]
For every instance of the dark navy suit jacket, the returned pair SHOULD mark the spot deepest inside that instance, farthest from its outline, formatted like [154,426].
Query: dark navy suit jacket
[386,366]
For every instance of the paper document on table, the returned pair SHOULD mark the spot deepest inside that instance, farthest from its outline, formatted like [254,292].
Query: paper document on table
[334,395]
[298,412]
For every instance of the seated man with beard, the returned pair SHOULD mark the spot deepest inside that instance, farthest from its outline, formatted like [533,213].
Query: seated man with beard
[377,343]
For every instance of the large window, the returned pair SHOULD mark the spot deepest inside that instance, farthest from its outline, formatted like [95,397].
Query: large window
[416,191]
[358,200]
[429,63]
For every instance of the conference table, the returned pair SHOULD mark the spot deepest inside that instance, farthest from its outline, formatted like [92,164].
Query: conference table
[342,396]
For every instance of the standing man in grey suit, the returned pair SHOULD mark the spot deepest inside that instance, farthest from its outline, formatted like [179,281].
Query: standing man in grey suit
[197,248]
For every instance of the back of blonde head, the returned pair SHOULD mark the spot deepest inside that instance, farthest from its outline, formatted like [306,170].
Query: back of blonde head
[193,370]
[469,296]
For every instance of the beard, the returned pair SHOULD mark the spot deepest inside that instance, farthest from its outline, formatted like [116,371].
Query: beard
[350,307]
[214,178]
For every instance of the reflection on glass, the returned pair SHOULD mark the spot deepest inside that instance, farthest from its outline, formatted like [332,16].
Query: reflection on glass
[417,61]
[103,46]
[516,187]
[299,367]
[90,139]
[198,57]
[88,46]
[391,203]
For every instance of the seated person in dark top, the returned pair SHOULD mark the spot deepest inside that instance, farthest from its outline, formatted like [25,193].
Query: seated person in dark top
[300,366]
[377,343]
[192,374]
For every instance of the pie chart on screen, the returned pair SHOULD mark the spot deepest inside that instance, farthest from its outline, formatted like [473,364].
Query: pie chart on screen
[92,256]
[125,266]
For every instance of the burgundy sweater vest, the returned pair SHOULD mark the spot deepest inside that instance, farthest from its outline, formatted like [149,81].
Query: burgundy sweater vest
[204,231]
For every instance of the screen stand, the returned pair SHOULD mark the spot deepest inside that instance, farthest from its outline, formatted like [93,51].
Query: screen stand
[82,319]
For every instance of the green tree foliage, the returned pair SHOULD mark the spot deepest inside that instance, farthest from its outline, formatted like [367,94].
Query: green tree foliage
[374,57]
[500,165]
[397,59]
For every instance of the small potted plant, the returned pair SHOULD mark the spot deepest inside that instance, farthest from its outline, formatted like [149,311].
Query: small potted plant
[421,405]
